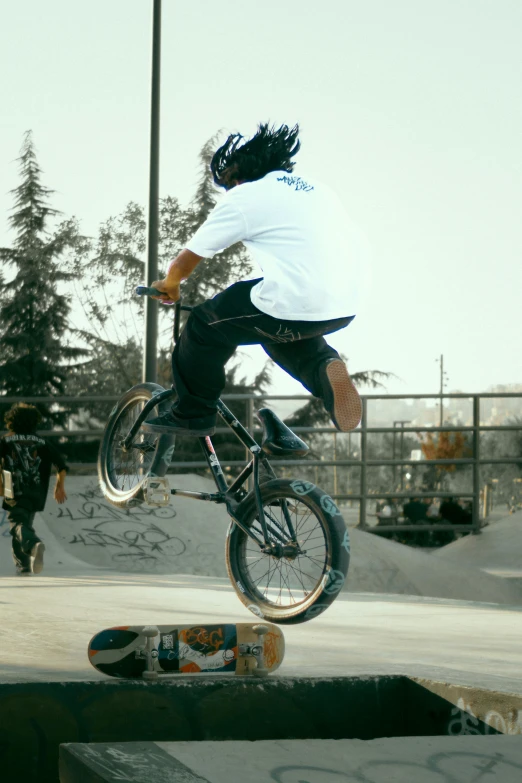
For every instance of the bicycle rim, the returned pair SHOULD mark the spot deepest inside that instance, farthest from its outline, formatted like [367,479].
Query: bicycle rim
[283,582]
[127,469]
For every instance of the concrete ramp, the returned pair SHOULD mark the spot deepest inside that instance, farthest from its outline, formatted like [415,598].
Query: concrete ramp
[186,537]
[382,566]
[498,549]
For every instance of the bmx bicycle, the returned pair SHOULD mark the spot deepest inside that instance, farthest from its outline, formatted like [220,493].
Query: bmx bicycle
[287,547]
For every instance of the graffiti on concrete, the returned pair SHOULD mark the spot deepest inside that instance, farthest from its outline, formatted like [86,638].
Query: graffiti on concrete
[144,544]
[464,721]
[294,774]
[134,537]
[444,766]
[512,724]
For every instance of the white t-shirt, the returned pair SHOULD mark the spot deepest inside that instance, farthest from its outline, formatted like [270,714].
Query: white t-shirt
[312,256]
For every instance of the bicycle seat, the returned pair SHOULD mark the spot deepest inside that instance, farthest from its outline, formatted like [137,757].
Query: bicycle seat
[278,439]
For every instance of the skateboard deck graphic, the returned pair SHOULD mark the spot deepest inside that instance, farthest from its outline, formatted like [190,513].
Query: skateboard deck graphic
[150,651]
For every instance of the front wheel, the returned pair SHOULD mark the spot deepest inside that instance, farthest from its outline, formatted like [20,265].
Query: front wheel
[311,546]
[121,472]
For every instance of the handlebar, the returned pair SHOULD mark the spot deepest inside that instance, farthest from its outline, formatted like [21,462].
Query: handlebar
[143,290]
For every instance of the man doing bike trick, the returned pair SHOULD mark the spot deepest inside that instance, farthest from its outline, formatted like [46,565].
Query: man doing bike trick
[311,258]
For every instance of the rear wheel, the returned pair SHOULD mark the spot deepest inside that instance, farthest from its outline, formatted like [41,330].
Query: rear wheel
[303,575]
[122,471]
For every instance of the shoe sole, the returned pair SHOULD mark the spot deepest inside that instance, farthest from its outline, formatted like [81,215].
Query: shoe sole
[347,407]
[162,429]
[37,558]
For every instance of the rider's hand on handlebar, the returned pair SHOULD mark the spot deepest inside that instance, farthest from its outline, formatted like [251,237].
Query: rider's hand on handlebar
[171,290]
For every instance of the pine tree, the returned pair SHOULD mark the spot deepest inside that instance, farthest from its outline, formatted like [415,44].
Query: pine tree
[111,266]
[212,275]
[34,353]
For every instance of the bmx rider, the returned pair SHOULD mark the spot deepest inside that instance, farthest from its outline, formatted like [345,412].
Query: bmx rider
[306,246]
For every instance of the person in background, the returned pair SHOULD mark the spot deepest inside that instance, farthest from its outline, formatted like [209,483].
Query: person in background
[415,510]
[388,510]
[451,511]
[433,509]
[26,460]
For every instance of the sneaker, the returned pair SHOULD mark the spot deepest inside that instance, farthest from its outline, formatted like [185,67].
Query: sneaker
[340,397]
[37,553]
[170,423]
[23,572]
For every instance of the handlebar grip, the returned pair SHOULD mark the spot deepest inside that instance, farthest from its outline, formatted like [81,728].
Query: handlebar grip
[143,290]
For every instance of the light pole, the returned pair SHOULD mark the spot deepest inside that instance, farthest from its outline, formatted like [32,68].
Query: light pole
[402,422]
[443,379]
[150,351]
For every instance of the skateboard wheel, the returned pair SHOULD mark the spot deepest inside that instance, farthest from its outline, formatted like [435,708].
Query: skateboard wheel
[261,630]
[150,631]
[150,675]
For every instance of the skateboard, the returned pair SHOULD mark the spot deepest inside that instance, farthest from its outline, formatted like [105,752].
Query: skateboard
[148,652]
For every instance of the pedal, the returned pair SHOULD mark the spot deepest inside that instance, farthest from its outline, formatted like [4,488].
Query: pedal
[156,491]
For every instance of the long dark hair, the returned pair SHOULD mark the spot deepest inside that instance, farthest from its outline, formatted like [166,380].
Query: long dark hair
[23,419]
[270,149]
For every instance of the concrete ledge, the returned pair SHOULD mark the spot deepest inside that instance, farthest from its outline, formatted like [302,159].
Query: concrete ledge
[141,762]
[35,718]
[409,759]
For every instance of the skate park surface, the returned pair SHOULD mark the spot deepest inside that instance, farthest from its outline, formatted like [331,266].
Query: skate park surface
[436,616]
[402,610]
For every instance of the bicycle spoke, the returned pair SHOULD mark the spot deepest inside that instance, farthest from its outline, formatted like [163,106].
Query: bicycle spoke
[287,581]
[128,468]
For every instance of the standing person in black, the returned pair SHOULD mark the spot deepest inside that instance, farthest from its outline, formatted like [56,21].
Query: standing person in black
[26,460]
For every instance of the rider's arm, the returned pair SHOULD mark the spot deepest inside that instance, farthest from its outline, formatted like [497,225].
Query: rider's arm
[225,226]
[179,269]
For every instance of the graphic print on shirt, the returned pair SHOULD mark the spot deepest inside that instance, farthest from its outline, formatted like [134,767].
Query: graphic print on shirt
[299,183]
[24,466]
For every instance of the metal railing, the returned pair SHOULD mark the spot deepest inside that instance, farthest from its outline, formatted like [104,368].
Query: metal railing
[364,495]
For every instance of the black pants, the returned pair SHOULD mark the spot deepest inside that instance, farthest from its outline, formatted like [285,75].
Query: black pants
[23,536]
[215,329]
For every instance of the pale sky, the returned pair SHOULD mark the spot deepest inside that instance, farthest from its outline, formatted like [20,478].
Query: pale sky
[410,109]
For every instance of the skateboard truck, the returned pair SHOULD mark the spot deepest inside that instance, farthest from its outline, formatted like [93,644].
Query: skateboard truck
[256,651]
[156,491]
[149,652]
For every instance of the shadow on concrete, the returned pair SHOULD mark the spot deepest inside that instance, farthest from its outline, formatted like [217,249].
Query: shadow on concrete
[37,717]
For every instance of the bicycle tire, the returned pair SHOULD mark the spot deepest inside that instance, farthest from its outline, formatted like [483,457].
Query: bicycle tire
[336,563]
[138,394]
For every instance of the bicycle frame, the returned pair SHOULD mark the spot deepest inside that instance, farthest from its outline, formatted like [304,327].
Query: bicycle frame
[226,494]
